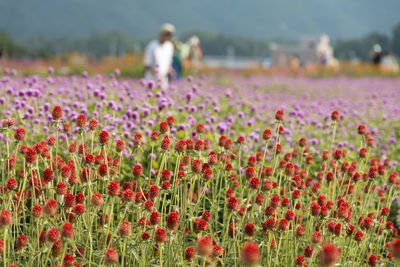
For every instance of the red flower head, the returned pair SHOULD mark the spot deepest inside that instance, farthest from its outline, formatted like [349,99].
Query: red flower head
[21,242]
[199,225]
[113,188]
[153,192]
[396,247]
[19,134]
[104,137]
[206,216]
[67,230]
[233,203]
[361,129]
[267,134]
[66,127]
[170,121]
[36,211]
[120,146]
[254,183]
[81,121]
[102,170]
[172,221]
[217,251]
[204,246]
[189,254]
[268,224]
[279,115]
[335,115]
[196,166]
[125,229]
[93,124]
[165,143]
[137,171]
[249,229]
[56,249]
[329,254]
[308,251]
[155,218]
[163,127]
[372,260]
[283,225]
[50,208]
[30,155]
[80,209]
[200,128]
[68,260]
[316,238]
[300,260]
[5,218]
[250,253]
[160,236]
[57,113]
[110,256]
[52,235]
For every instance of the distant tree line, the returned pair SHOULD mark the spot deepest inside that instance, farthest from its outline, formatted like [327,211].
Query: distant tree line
[100,44]
[361,48]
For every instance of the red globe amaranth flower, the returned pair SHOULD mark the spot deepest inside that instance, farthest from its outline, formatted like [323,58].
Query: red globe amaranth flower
[160,236]
[113,188]
[163,127]
[137,171]
[267,134]
[199,225]
[299,260]
[104,138]
[308,251]
[56,249]
[335,115]
[19,134]
[145,236]
[68,260]
[5,218]
[125,229]
[81,121]
[189,254]
[22,242]
[249,229]
[93,125]
[57,113]
[67,230]
[30,156]
[50,208]
[250,253]
[372,260]
[204,246]
[155,218]
[329,254]
[52,235]
[36,211]
[279,115]
[120,146]
[233,203]
[110,256]
[172,221]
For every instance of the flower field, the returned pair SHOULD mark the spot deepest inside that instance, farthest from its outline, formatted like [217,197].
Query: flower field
[261,171]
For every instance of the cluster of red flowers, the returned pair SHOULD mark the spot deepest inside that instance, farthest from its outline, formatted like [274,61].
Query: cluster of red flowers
[299,202]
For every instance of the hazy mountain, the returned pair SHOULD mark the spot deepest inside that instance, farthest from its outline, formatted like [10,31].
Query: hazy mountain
[261,19]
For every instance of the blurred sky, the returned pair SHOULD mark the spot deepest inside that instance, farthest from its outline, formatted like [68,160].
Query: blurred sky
[261,19]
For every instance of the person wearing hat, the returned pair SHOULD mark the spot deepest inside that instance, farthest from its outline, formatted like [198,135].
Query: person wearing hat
[158,56]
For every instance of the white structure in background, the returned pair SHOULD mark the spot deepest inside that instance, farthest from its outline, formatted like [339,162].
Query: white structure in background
[310,50]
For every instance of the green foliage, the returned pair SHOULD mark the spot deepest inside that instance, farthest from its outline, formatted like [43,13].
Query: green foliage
[9,47]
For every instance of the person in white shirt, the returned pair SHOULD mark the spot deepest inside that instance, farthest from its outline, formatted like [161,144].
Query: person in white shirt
[158,56]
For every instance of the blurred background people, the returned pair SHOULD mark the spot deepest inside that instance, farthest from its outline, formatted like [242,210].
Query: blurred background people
[158,56]
[177,60]
[376,54]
